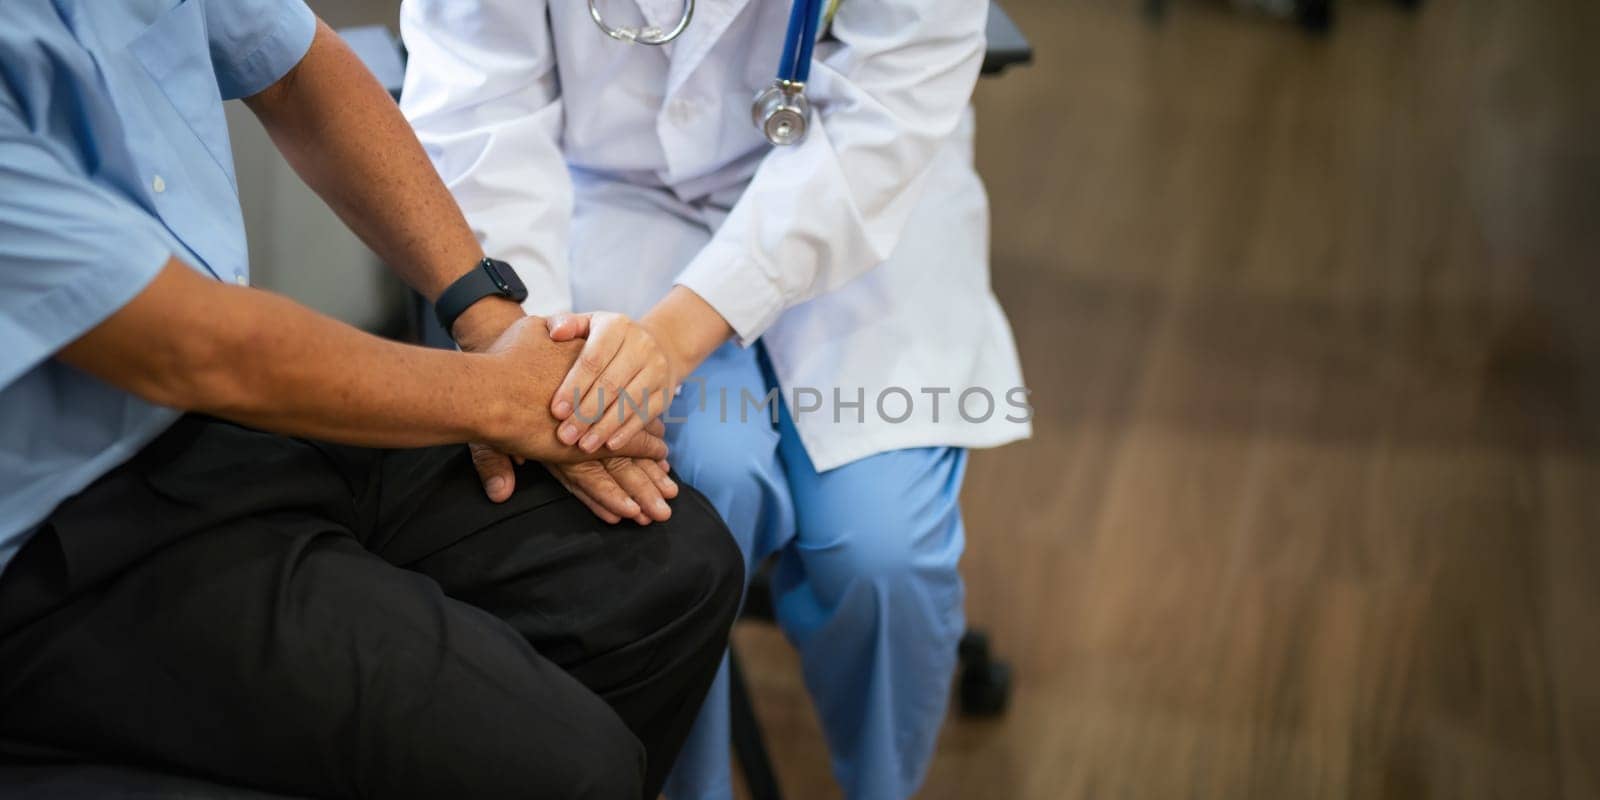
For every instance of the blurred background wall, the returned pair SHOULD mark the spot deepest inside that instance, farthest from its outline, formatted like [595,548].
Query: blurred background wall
[1313,509]
[297,246]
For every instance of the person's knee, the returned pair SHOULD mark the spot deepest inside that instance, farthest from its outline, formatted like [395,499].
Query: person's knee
[607,762]
[879,548]
[735,467]
[876,560]
[584,752]
[707,556]
[454,703]
[596,758]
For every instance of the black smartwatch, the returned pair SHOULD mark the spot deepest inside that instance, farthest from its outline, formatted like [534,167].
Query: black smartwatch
[488,278]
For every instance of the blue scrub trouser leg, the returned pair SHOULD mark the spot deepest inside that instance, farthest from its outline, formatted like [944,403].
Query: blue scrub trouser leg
[870,595]
[732,458]
[866,587]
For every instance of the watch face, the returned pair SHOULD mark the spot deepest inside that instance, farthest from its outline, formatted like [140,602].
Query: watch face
[505,279]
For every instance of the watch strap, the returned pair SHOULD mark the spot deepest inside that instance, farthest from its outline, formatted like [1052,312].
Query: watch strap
[488,278]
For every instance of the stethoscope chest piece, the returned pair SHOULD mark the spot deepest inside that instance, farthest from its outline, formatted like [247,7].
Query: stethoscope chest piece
[782,112]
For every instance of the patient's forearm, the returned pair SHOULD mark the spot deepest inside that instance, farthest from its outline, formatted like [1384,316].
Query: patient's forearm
[260,359]
[347,139]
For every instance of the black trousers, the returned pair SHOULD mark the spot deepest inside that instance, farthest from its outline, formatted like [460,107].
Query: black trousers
[334,621]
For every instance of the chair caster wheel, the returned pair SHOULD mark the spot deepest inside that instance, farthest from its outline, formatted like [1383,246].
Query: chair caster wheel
[985,684]
[986,695]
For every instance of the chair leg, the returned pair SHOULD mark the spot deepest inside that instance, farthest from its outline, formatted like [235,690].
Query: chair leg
[985,683]
[1316,16]
[748,743]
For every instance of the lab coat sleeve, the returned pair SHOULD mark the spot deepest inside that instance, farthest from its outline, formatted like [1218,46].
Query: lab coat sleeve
[482,93]
[815,216]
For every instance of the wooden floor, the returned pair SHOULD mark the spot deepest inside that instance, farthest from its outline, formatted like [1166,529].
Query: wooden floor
[1313,330]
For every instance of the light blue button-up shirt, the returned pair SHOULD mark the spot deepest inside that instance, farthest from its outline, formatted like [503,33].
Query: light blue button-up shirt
[114,157]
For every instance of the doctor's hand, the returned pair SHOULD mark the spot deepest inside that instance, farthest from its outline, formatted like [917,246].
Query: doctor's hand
[521,369]
[624,378]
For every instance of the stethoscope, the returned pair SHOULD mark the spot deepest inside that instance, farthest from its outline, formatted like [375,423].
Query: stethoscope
[781,111]
[648,34]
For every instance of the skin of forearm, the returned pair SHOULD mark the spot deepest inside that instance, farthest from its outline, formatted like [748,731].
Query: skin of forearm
[307,375]
[689,328]
[256,358]
[346,138]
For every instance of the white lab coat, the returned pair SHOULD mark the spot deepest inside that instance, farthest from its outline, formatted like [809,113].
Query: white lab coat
[606,172]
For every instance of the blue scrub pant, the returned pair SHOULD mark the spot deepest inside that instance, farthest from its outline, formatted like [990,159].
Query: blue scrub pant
[866,586]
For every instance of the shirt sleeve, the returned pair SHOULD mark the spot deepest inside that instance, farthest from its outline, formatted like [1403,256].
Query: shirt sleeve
[255,42]
[72,252]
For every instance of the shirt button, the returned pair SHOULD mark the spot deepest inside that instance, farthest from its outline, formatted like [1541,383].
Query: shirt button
[158,184]
[239,278]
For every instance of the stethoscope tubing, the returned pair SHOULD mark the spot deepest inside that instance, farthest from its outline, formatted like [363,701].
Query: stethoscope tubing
[800,41]
[780,111]
[636,35]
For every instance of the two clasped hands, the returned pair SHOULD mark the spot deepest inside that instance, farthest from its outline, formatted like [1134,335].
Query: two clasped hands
[622,377]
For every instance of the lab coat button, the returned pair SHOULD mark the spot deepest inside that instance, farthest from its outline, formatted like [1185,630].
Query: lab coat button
[158,184]
[239,278]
